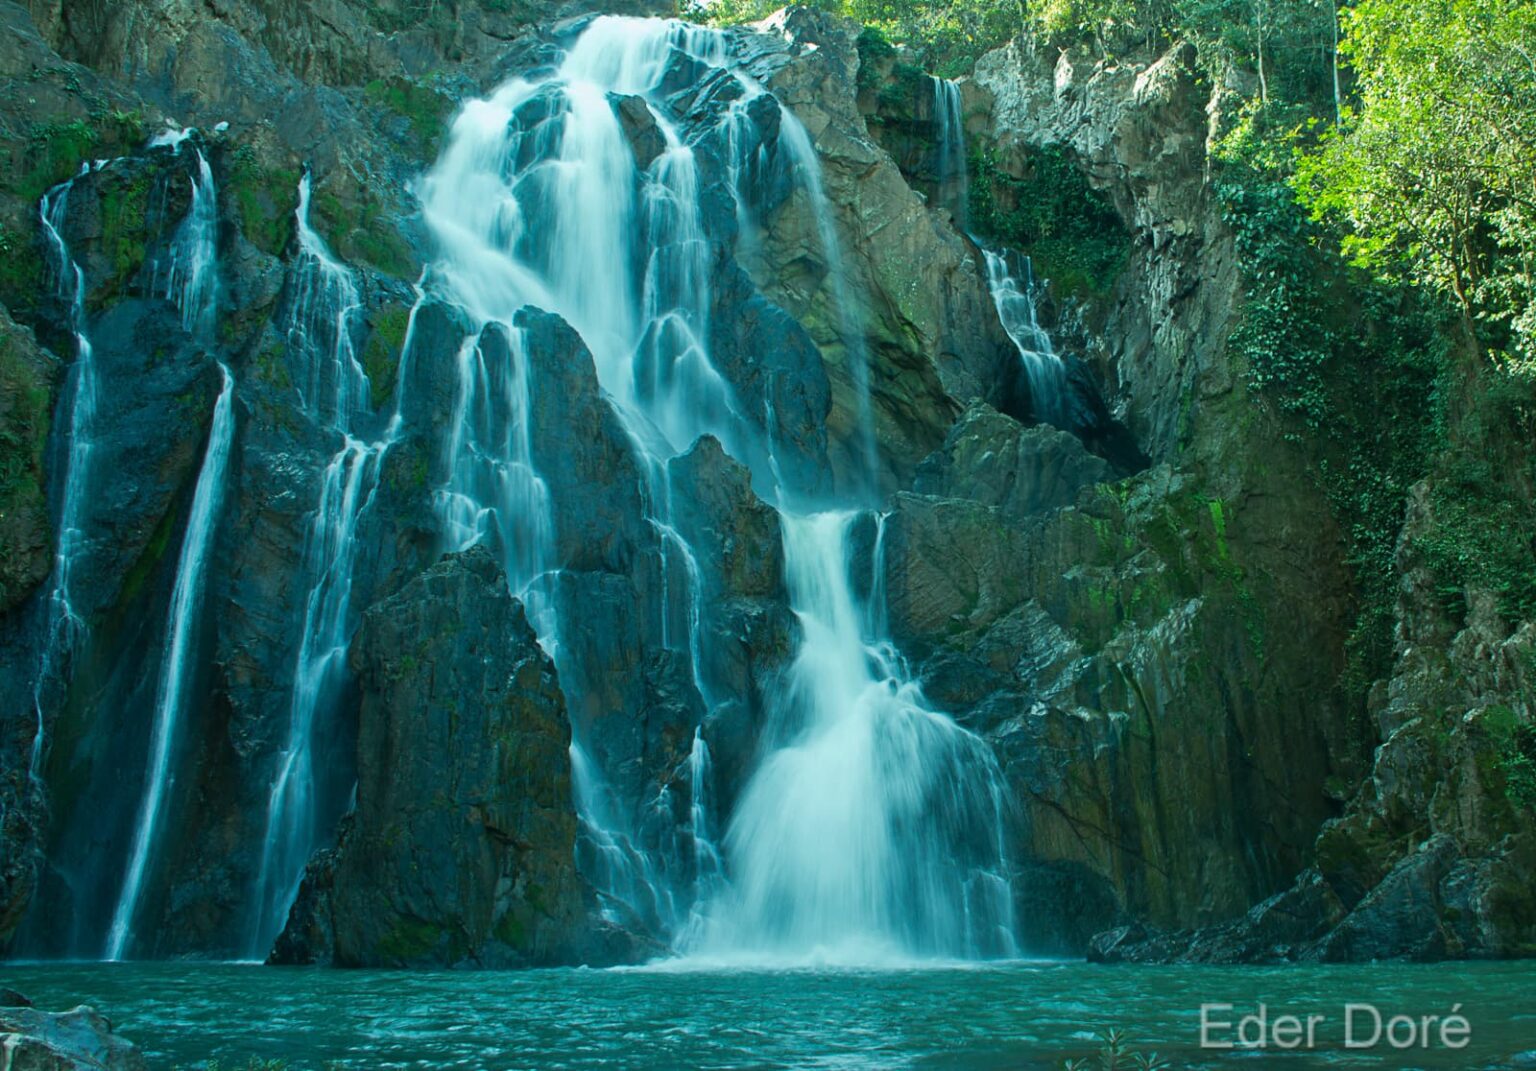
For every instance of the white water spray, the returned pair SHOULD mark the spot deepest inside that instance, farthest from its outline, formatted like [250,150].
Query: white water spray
[1016,294]
[324,311]
[191,277]
[873,826]
[953,174]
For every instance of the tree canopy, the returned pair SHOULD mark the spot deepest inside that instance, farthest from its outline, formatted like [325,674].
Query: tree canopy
[1433,170]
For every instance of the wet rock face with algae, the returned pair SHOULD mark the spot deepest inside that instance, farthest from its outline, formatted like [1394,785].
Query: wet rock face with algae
[1152,655]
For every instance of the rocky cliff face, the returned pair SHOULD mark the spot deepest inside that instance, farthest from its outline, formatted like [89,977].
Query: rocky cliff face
[1227,618]
[1143,615]
[460,846]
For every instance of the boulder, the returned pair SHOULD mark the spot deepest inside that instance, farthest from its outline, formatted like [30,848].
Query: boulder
[78,1040]
[460,847]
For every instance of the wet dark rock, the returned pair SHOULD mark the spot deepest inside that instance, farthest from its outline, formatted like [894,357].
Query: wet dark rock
[717,510]
[582,447]
[777,375]
[459,850]
[29,378]
[993,459]
[640,129]
[78,1040]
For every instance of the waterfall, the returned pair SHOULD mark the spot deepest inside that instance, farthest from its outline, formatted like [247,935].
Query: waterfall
[178,666]
[192,286]
[64,628]
[873,825]
[1010,276]
[1015,292]
[852,841]
[951,167]
[191,277]
[324,309]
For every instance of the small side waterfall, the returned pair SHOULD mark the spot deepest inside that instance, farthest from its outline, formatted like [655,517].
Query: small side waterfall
[1015,292]
[873,827]
[64,628]
[1010,276]
[325,306]
[178,663]
[191,285]
[951,166]
[191,277]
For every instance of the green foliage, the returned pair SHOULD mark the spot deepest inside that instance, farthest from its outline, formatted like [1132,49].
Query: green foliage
[1285,338]
[1479,539]
[946,36]
[265,198]
[1433,172]
[125,199]
[425,110]
[1354,364]
[1518,763]
[1071,232]
[874,48]
[381,355]
[1115,1054]
[54,151]
[21,271]
[362,230]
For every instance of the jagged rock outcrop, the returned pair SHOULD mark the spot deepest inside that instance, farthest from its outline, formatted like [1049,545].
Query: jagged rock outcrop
[28,375]
[1140,131]
[932,340]
[1435,855]
[460,847]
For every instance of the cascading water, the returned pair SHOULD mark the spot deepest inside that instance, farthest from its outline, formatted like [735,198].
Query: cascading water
[853,839]
[178,664]
[873,826]
[1010,276]
[191,277]
[63,627]
[324,309]
[1014,292]
[192,285]
[951,167]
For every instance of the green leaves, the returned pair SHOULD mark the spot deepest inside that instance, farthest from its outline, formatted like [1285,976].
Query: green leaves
[1434,172]
[1070,231]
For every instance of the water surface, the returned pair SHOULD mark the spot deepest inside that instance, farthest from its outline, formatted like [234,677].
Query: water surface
[1014,1016]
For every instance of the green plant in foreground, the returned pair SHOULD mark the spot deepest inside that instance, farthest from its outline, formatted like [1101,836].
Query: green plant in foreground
[1115,1054]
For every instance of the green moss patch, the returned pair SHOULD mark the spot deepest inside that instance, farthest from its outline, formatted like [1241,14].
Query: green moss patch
[381,354]
[1046,208]
[425,110]
[265,199]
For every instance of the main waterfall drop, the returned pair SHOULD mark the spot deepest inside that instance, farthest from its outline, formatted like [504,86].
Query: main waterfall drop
[872,826]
